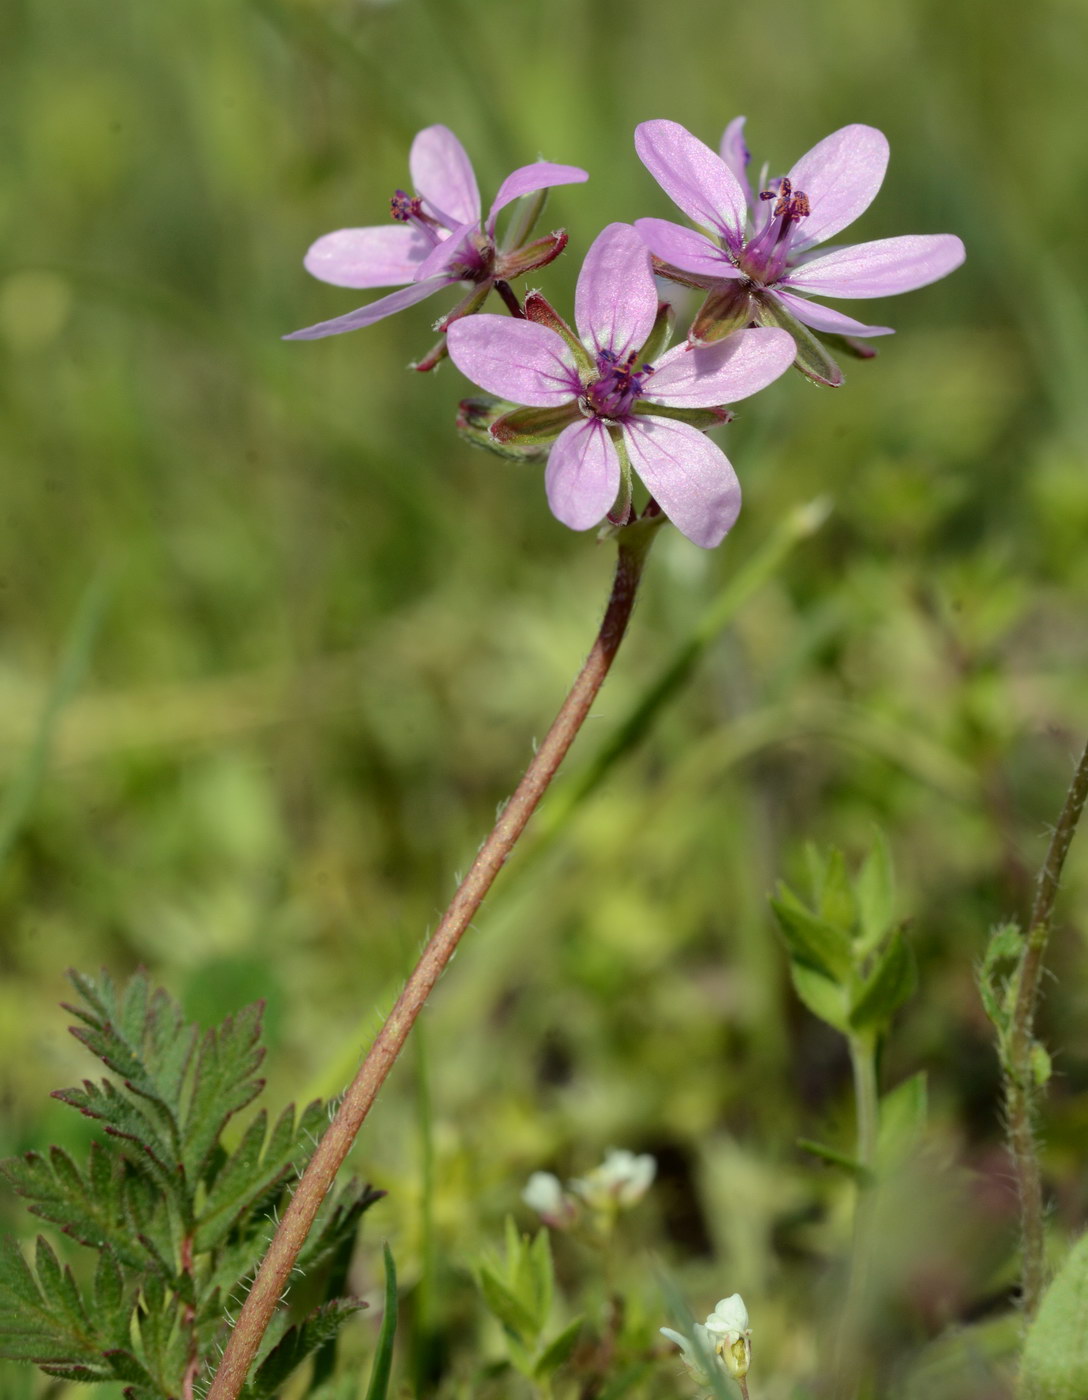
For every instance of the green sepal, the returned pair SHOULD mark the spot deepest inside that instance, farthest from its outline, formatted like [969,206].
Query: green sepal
[523,427]
[813,359]
[891,982]
[530,256]
[541,312]
[659,336]
[474,419]
[701,418]
[850,345]
[724,311]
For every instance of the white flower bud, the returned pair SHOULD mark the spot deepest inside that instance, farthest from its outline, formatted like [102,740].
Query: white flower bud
[621,1180]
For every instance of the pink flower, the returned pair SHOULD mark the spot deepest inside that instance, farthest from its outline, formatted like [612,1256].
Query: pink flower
[436,238]
[757,263]
[612,411]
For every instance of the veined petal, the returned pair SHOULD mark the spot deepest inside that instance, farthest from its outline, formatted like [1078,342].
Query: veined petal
[544,175]
[442,173]
[731,369]
[449,250]
[689,476]
[734,151]
[822,318]
[582,477]
[686,249]
[517,360]
[615,302]
[384,256]
[841,176]
[880,268]
[694,178]
[376,311]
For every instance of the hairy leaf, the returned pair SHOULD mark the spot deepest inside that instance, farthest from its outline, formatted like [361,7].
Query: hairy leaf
[223,1082]
[297,1344]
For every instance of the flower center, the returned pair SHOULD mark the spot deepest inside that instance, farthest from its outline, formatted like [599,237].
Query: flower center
[617,386]
[765,256]
[408,209]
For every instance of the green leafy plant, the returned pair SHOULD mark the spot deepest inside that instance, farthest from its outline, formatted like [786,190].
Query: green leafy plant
[178,1218]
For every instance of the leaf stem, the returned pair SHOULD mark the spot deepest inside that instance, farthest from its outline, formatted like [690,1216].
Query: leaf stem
[1020,1085]
[275,1270]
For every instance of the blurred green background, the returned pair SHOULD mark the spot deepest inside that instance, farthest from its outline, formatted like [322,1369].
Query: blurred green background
[275,642]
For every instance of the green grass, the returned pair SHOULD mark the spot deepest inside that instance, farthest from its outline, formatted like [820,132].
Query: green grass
[331,630]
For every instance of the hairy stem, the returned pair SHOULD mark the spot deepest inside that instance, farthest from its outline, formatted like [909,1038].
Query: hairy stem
[275,1271]
[1020,1085]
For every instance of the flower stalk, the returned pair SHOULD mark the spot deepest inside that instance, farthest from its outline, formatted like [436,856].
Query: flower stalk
[272,1278]
[1021,1079]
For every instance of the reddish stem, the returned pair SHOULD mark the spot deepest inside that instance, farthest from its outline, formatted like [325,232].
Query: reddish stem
[275,1271]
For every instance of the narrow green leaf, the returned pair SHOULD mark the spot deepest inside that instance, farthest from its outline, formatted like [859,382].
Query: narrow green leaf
[383,1357]
[543,1276]
[834,1157]
[892,981]
[558,1350]
[1055,1362]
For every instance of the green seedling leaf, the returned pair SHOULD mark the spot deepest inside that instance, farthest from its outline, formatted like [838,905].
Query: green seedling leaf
[558,1350]
[1041,1065]
[997,976]
[539,1285]
[874,892]
[811,940]
[511,1312]
[383,1357]
[1055,1361]
[903,1113]
[891,982]
[824,998]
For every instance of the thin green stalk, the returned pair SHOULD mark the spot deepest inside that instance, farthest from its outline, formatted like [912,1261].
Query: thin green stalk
[1020,1083]
[275,1271]
[867,1113]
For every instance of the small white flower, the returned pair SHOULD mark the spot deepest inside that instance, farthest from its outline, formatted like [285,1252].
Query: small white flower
[732,1337]
[724,1344]
[544,1194]
[621,1180]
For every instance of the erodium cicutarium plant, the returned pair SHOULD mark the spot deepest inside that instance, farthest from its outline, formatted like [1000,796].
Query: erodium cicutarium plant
[620,422]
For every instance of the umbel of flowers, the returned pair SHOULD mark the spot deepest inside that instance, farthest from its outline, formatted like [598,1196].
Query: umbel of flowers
[605,401]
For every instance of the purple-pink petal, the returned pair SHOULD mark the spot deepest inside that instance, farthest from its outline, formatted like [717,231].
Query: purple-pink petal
[880,268]
[734,151]
[582,477]
[822,318]
[384,256]
[376,311]
[686,249]
[543,175]
[689,476]
[741,364]
[695,179]
[518,360]
[615,301]
[452,249]
[442,173]
[841,176]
